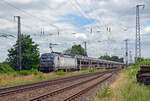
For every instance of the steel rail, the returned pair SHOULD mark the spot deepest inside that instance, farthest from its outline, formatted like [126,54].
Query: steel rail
[56,92]
[20,88]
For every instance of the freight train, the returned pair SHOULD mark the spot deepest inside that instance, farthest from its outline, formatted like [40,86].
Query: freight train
[58,61]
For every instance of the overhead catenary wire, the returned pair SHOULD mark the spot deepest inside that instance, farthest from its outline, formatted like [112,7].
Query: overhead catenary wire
[86,15]
[42,20]
[101,20]
[10,34]
[28,14]
[12,21]
[96,17]
[82,11]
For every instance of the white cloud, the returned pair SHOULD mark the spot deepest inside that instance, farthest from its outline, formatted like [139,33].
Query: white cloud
[147,29]
[82,36]
[23,1]
[5,24]
[118,15]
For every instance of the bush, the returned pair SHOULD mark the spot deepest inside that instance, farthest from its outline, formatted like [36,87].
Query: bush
[35,71]
[5,68]
[145,62]
[91,70]
[25,73]
[62,73]
[14,74]
[29,72]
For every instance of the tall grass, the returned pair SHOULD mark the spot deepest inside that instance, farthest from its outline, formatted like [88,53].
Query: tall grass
[127,88]
[106,92]
[28,76]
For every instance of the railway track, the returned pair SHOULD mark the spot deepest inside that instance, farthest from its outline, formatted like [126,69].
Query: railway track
[80,93]
[27,87]
[63,93]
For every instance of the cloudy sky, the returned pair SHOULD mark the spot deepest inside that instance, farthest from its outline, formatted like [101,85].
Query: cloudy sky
[77,21]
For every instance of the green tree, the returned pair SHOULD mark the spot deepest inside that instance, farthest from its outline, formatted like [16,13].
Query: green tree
[76,49]
[113,58]
[105,57]
[30,54]
[140,59]
[121,60]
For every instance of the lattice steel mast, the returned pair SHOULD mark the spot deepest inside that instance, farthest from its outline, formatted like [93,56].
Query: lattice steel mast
[138,37]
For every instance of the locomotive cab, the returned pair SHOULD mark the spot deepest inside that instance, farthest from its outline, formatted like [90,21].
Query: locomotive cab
[47,62]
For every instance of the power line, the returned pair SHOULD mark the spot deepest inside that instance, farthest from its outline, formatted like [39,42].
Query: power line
[80,10]
[28,13]
[84,14]
[87,16]
[6,35]
[101,20]
[10,20]
[21,10]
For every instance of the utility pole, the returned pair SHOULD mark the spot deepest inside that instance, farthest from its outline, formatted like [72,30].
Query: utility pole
[138,37]
[85,47]
[130,52]
[109,39]
[19,58]
[126,54]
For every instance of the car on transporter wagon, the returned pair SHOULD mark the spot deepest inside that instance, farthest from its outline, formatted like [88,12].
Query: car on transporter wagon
[57,61]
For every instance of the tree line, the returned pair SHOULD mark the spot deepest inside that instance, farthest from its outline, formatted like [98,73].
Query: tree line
[111,58]
[31,54]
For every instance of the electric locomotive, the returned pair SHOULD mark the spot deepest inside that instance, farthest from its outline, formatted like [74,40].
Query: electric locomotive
[57,61]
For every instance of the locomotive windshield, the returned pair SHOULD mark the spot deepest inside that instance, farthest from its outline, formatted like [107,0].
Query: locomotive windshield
[46,57]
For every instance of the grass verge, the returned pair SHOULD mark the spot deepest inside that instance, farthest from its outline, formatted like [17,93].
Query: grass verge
[14,78]
[125,88]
